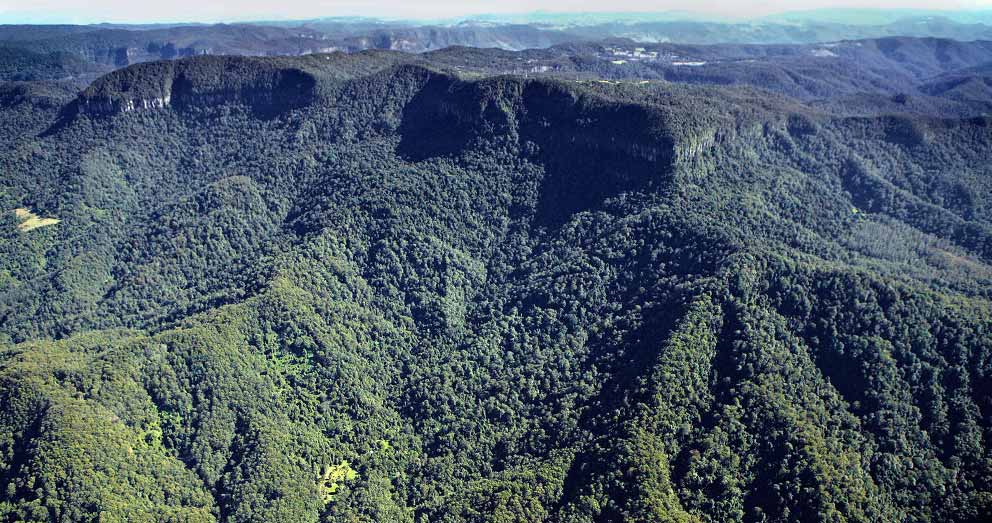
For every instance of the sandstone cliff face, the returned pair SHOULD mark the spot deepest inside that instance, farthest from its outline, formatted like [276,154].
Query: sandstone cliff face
[262,84]
[108,106]
[590,148]
[117,55]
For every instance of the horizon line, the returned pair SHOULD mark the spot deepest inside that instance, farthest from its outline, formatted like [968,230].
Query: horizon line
[676,14]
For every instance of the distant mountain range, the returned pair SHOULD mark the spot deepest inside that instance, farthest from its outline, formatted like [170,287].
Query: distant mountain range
[118,45]
[931,76]
[880,16]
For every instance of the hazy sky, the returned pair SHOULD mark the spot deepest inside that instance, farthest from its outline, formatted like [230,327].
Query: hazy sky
[89,11]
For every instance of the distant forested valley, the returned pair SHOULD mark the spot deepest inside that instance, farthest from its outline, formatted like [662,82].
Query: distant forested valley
[596,280]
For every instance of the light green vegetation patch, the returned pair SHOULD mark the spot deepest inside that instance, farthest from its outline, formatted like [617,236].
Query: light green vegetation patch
[333,476]
[30,221]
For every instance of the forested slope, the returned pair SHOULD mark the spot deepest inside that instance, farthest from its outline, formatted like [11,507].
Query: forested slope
[352,288]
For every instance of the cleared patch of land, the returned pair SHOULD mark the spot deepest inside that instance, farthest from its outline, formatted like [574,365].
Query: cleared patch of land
[31,221]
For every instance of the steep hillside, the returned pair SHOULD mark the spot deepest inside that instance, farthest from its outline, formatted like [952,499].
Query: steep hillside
[361,287]
[23,65]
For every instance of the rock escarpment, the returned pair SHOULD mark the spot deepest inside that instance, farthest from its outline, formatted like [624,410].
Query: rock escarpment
[266,85]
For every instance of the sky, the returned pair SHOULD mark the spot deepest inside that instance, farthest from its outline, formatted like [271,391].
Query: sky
[145,11]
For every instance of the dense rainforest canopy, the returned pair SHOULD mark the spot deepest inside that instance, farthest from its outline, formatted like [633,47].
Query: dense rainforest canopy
[384,287]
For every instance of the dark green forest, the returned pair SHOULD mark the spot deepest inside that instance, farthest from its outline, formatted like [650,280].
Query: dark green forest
[374,288]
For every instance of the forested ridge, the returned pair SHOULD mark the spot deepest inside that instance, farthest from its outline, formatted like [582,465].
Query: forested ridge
[369,288]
